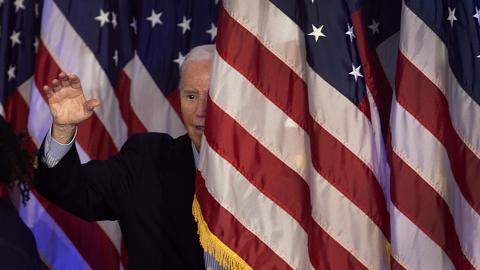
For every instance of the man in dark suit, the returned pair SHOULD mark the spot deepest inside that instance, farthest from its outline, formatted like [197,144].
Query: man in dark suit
[148,187]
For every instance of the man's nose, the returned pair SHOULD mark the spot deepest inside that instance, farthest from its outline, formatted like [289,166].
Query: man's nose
[202,106]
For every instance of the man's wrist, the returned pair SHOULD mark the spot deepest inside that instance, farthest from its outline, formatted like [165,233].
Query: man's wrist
[63,133]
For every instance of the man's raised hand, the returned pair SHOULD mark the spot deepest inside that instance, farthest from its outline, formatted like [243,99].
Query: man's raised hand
[68,106]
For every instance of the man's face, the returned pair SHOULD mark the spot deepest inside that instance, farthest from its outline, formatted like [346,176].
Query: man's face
[194,87]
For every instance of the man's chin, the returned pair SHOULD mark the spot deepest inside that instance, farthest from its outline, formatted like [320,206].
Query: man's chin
[195,134]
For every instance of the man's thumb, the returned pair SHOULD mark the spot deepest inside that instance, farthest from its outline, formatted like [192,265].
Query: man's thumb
[92,104]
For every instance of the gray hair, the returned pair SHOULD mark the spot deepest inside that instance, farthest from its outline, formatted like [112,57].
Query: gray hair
[199,53]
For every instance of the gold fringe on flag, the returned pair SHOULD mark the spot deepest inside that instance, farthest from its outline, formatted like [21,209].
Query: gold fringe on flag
[389,252]
[228,259]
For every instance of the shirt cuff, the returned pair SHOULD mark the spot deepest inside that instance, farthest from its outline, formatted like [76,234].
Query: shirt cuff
[55,151]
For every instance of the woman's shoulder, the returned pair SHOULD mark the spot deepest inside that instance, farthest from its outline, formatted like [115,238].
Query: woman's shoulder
[12,227]
[14,234]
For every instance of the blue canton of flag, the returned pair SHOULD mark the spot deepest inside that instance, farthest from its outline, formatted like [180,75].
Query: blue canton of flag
[19,29]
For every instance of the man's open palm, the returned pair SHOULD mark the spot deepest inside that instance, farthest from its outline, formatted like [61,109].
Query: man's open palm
[67,102]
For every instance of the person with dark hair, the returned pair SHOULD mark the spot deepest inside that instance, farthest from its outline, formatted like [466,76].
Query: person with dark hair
[17,245]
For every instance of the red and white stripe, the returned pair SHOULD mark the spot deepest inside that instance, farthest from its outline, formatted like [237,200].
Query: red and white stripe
[16,109]
[148,102]
[54,246]
[435,157]
[282,150]
[67,49]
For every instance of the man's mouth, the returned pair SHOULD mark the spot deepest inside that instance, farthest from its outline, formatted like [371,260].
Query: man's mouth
[199,128]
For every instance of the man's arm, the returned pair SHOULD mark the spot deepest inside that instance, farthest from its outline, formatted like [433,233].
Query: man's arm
[96,190]
[87,191]
[54,151]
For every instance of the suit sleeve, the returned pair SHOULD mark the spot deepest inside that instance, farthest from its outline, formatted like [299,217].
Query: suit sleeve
[97,190]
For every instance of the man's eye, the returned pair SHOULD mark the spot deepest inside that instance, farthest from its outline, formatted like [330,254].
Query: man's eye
[191,97]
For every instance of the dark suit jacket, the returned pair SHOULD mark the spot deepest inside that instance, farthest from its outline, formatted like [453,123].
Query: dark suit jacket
[148,187]
[17,246]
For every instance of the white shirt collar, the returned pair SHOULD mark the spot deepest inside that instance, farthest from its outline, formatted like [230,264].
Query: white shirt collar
[196,155]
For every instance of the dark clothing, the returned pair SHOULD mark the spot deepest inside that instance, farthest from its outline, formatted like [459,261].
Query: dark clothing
[18,250]
[148,187]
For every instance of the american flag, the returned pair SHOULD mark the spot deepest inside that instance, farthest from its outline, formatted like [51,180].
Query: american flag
[435,129]
[343,135]
[127,54]
[340,134]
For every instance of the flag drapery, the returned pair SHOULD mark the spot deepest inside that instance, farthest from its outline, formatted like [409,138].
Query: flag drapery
[343,135]
[339,135]
[435,156]
[127,54]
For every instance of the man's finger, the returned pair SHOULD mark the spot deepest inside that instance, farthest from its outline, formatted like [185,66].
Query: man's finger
[92,104]
[74,81]
[64,80]
[48,91]
[55,85]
